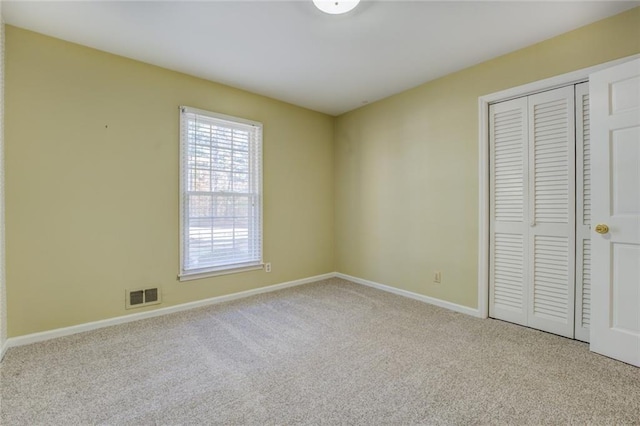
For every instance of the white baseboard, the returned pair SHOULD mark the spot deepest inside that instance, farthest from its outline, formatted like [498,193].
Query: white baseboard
[3,349]
[420,297]
[66,331]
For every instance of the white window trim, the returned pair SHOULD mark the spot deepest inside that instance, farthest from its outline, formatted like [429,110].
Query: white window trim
[222,270]
[573,77]
[190,276]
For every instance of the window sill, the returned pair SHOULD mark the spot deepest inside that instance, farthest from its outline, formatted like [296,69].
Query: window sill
[190,276]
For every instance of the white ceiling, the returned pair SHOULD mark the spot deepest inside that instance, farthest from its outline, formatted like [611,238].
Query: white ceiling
[291,51]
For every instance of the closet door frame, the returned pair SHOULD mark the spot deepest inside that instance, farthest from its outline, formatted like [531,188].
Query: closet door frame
[484,204]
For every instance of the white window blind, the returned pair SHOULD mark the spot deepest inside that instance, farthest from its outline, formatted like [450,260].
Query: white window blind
[221,193]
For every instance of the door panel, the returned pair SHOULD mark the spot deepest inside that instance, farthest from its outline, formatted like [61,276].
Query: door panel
[626,291]
[626,166]
[552,212]
[509,204]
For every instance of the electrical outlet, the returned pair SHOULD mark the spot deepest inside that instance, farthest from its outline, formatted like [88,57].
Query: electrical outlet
[267,267]
[437,277]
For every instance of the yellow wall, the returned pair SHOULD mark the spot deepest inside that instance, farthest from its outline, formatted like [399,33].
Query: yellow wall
[92,183]
[406,168]
[92,177]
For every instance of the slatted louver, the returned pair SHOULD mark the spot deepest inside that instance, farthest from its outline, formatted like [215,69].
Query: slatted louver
[586,161]
[586,283]
[551,174]
[583,212]
[509,165]
[508,136]
[551,278]
[508,274]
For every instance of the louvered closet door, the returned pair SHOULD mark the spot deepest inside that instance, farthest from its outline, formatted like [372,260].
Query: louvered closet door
[551,242]
[583,214]
[508,227]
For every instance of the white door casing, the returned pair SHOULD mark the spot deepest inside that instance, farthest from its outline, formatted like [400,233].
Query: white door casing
[615,184]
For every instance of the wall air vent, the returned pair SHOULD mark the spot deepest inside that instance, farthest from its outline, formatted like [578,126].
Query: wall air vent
[151,295]
[136,297]
[140,297]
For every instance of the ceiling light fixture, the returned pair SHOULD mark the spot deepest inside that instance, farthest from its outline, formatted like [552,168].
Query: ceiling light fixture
[336,7]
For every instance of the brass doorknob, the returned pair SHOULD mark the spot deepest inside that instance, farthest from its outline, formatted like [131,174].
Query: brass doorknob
[602,228]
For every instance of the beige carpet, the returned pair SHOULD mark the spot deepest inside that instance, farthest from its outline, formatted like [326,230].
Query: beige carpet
[331,352]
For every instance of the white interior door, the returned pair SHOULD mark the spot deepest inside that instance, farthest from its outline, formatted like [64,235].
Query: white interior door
[615,183]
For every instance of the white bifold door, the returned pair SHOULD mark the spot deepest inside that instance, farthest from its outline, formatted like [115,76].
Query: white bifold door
[533,211]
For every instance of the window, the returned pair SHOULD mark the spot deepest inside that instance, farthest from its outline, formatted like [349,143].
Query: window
[220,193]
